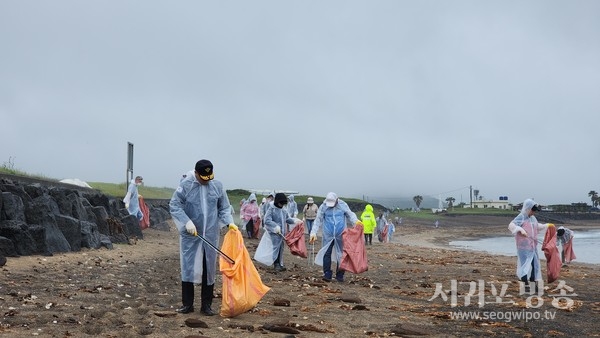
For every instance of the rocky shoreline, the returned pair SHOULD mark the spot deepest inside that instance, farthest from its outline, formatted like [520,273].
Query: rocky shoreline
[44,218]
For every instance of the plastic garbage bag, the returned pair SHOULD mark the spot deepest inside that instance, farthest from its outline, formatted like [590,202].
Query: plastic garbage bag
[266,252]
[354,255]
[145,222]
[242,286]
[553,261]
[382,235]
[296,241]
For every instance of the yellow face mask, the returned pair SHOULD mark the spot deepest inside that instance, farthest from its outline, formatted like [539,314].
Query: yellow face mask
[207,178]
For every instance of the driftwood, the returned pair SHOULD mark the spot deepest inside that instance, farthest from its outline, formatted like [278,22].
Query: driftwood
[408,329]
[191,322]
[280,328]
[293,328]
[347,299]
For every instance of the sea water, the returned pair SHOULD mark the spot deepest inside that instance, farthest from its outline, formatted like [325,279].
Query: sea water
[586,245]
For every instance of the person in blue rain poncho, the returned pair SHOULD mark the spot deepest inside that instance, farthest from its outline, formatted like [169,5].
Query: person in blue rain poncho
[131,199]
[332,216]
[197,206]
[277,224]
[525,227]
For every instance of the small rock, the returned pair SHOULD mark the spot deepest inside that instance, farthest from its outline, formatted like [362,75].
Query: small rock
[281,302]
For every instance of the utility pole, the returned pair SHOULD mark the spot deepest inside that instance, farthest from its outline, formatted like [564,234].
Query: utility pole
[471,196]
[129,173]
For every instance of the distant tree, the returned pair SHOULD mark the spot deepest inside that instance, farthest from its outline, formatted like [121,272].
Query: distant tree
[476,193]
[594,196]
[418,199]
[450,201]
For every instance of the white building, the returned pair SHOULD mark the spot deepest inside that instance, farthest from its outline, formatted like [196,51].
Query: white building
[494,204]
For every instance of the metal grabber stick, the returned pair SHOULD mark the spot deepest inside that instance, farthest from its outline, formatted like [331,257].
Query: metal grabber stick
[215,248]
[308,259]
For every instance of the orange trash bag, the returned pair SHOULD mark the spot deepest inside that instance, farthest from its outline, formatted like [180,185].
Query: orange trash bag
[296,241]
[354,255]
[242,286]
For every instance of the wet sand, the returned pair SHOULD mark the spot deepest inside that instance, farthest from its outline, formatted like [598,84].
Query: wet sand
[133,290]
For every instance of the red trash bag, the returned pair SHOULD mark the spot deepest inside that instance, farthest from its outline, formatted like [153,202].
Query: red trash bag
[242,286]
[296,241]
[145,222]
[553,261]
[382,235]
[569,253]
[256,231]
[354,255]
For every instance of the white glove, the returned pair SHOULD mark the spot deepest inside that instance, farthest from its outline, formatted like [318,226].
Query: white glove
[523,232]
[278,229]
[190,227]
[126,205]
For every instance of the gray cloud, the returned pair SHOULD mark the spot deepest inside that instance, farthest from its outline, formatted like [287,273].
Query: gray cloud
[378,98]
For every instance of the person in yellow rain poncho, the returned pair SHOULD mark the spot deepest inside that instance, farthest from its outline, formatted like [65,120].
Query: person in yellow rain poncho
[332,217]
[197,207]
[368,220]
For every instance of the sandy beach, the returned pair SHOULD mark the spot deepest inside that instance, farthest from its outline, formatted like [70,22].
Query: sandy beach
[416,286]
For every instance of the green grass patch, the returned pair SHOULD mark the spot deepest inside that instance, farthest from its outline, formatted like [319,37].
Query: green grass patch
[8,170]
[120,189]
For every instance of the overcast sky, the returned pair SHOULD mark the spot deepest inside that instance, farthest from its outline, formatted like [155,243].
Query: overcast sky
[363,98]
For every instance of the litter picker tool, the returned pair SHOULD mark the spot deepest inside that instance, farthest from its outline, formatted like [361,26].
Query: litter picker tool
[311,255]
[215,248]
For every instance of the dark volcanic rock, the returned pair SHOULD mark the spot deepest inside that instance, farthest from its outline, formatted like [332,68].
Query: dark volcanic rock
[45,217]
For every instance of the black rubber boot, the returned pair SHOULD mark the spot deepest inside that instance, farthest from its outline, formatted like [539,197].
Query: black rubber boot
[527,289]
[187,297]
[207,298]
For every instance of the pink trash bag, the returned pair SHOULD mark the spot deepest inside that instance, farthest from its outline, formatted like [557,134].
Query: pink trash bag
[296,242]
[354,255]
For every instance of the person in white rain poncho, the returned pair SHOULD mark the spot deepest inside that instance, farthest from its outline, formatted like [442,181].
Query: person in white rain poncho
[292,207]
[277,221]
[268,203]
[132,200]
[332,216]
[197,206]
[525,227]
